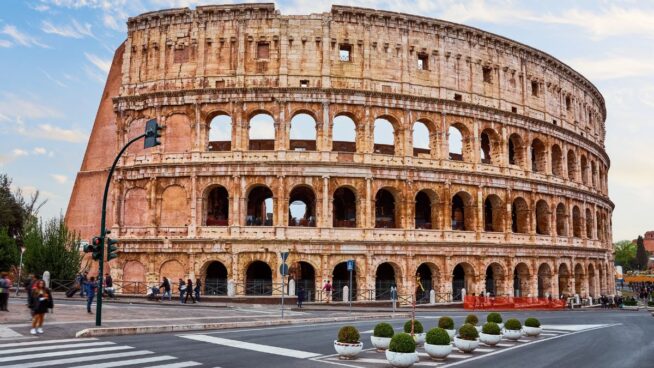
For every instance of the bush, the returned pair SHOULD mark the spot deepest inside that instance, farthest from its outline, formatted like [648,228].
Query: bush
[491,328]
[468,332]
[512,324]
[383,330]
[472,319]
[650,304]
[494,317]
[630,302]
[348,335]
[402,343]
[446,323]
[437,336]
[417,327]
[532,322]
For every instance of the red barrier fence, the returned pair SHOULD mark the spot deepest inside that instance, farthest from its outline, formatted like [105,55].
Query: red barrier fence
[509,302]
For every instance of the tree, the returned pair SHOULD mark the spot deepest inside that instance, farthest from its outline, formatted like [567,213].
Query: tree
[625,254]
[642,258]
[50,246]
[9,254]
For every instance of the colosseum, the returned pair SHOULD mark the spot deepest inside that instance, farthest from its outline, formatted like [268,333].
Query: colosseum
[429,152]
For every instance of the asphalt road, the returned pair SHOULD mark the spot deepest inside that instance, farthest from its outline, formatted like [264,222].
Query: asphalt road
[590,338]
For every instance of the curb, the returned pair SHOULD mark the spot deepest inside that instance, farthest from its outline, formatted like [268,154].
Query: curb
[143,330]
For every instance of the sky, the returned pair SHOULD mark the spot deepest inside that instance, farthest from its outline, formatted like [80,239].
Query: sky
[55,56]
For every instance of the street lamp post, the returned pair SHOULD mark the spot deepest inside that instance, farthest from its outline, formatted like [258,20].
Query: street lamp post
[20,269]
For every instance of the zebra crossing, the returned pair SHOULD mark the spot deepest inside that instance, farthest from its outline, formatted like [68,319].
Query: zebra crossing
[83,353]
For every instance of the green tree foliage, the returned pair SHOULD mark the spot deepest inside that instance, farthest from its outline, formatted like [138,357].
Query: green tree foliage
[642,257]
[624,253]
[9,254]
[50,246]
[11,212]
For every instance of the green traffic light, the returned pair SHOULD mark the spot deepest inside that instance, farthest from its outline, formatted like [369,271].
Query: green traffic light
[111,249]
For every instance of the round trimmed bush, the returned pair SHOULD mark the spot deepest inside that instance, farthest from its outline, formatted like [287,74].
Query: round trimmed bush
[446,323]
[437,336]
[472,319]
[383,330]
[494,317]
[532,322]
[402,343]
[348,335]
[417,327]
[491,328]
[468,332]
[512,324]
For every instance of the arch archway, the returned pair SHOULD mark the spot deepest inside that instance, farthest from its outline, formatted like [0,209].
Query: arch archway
[302,207]
[455,143]
[260,207]
[261,133]
[584,170]
[258,279]
[215,279]
[544,281]
[217,207]
[134,278]
[589,223]
[520,216]
[494,213]
[385,211]
[577,226]
[220,133]
[561,220]
[462,276]
[174,207]
[421,137]
[495,279]
[592,281]
[580,278]
[429,276]
[135,208]
[303,133]
[557,160]
[538,156]
[516,150]
[305,277]
[490,146]
[564,280]
[572,165]
[542,218]
[463,214]
[521,280]
[423,211]
[384,136]
[385,278]
[344,208]
[173,270]
[340,279]
[344,134]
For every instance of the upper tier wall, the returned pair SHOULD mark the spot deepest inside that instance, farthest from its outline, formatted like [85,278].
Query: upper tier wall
[253,45]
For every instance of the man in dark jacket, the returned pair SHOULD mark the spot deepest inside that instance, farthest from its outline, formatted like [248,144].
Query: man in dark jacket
[166,286]
[90,287]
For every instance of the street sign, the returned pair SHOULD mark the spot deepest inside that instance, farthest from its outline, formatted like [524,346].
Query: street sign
[283,269]
[284,256]
[350,265]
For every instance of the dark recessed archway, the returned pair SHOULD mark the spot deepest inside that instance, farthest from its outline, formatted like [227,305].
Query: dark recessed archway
[215,281]
[258,279]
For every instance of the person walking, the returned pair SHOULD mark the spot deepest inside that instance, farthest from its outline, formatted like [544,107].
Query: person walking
[189,291]
[90,286]
[5,286]
[109,286]
[165,284]
[198,287]
[182,290]
[41,302]
[83,278]
[327,288]
[300,297]
[30,284]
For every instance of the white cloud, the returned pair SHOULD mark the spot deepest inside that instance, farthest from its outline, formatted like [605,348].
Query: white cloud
[5,43]
[61,179]
[41,8]
[612,67]
[73,30]
[94,74]
[54,80]
[40,151]
[17,152]
[102,64]
[20,37]
[48,131]
[13,107]
[14,154]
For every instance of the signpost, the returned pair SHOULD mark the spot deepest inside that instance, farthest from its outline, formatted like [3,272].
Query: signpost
[350,268]
[283,270]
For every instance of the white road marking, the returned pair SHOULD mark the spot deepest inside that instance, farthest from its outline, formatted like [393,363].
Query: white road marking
[79,359]
[6,333]
[45,342]
[131,362]
[62,353]
[146,320]
[251,346]
[367,332]
[53,347]
[569,327]
[177,365]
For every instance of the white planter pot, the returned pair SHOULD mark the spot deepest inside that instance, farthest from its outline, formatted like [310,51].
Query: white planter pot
[479,328]
[438,351]
[451,333]
[347,351]
[512,334]
[401,360]
[532,331]
[500,325]
[420,338]
[491,340]
[466,346]
[380,343]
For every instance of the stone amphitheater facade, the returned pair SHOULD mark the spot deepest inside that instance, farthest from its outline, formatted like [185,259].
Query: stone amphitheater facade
[518,205]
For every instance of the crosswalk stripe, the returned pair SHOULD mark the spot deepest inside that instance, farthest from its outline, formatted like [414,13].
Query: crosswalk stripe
[52,347]
[251,346]
[123,363]
[62,353]
[83,359]
[176,365]
[44,342]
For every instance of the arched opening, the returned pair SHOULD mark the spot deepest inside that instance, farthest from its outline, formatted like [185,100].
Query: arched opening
[340,279]
[495,279]
[384,137]
[544,281]
[220,133]
[302,207]
[557,161]
[589,223]
[493,214]
[174,207]
[262,133]
[173,270]
[572,165]
[217,207]
[305,277]
[455,143]
[592,289]
[385,216]
[177,135]
[542,218]
[215,280]
[538,156]
[428,274]
[579,280]
[258,279]
[577,226]
[462,276]
[561,220]
[421,137]
[260,207]
[135,208]
[519,216]
[584,170]
[564,281]
[344,134]
[521,280]
[593,174]
[462,212]
[423,216]
[384,280]
[134,278]
[598,221]
[345,208]
[303,133]
[516,151]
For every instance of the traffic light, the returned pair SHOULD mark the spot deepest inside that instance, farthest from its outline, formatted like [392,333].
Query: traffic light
[152,134]
[95,247]
[111,249]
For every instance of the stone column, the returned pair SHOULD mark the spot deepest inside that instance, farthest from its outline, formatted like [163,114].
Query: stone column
[369,216]
[325,221]
[326,129]
[280,205]
[194,198]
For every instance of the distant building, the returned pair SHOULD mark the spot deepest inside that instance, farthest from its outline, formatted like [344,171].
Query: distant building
[649,241]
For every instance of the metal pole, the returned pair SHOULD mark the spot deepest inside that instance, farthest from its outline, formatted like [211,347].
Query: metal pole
[283,292]
[350,291]
[20,269]
[103,231]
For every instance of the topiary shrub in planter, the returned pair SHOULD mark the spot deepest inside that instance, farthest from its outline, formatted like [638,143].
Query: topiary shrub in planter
[447,323]
[496,318]
[532,327]
[490,334]
[348,345]
[467,340]
[418,331]
[402,351]
[473,320]
[437,343]
[512,329]
[381,336]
